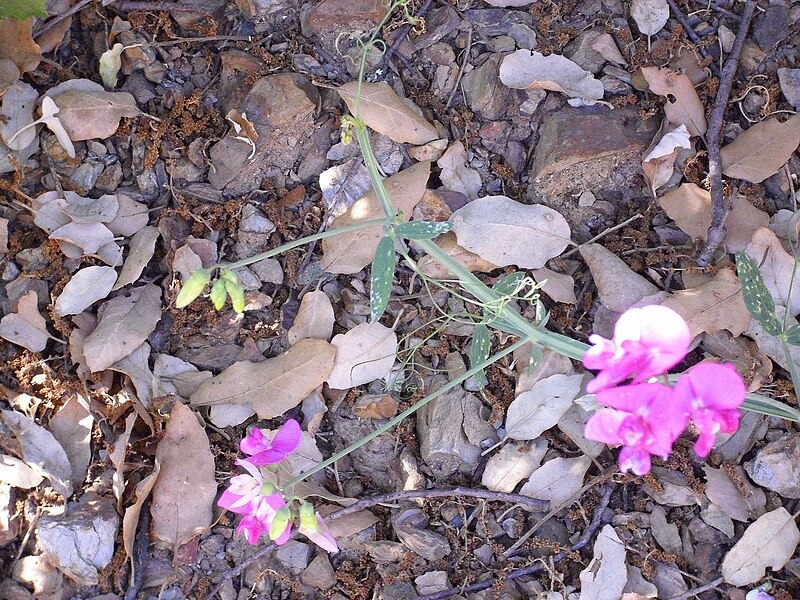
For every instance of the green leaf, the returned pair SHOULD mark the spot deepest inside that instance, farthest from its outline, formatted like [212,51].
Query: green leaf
[110,64]
[381,280]
[234,290]
[193,287]
[510,285]
[793,335]
[280,522]
[771,407]
[218,294]
[22,9]
[422,230]
[479,350]
[756,295]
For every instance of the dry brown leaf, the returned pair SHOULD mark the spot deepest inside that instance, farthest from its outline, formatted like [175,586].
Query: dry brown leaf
[350,252]
[776,266]
[125,322]
[618,286]
[130,521]
[514,462]
[456,175]
[86,287]
[605,576]
[91,210]
[737,498]
[314,318]
[524,70]
[95,114]
[559,286]
[9,73]
[130,217]
[761,150]
[690,207]
[26,327]
[117,458]
[137,367]
[40,450]
[140,251]
[469,260]
[17,45]
[384,111]
[659,163]
[273,386]
[176,376]
[683,105]
[769,542]
[17,112]
[500,230]
[711,307]
[558,480]
[183,497]
[537,410]
[650,15]
[72,428]
[3,235]
[88,237]
[363,354]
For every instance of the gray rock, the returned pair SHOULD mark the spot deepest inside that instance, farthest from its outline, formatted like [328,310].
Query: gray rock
[790,85]
[385,552]
[377,459]
[483,91]
[84,178]
[772,27]
[451,431]
[398,591]
[10,271]
[777,466]
[294,555]
[410,527]
[319,573]
[32,259]
[439,23]
[80,542]
[268,270]
[432,582]
[493,22]
[110,178]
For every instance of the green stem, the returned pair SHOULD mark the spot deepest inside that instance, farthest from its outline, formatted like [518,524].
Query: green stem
[409,411]
[301,242]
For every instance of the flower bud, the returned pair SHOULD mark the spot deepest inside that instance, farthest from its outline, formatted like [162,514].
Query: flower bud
[193,287]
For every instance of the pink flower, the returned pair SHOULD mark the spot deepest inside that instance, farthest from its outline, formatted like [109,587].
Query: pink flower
[251,496]
[266,452]
[647,342]
[712,394]
[644,418]
[314,528]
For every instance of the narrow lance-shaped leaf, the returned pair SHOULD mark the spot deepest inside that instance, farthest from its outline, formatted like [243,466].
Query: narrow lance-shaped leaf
[422,230]
[381,280]
[756,295]
[793,335]
[479,350]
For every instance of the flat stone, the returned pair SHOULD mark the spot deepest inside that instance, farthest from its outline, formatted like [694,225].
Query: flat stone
[319,573]
[398,591]
[411,529]
[483,91]
[294,555]
[432,582]
[777,466]
[268,270]
[80,542]
[342,15]
[790,85]
[772,27]
[439,23]
[385,552]
[493,22]
[439,53]
[281,108]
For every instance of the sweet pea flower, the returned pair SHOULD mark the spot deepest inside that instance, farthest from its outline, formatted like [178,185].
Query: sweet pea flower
[262,451]
[647,342]
[251,496]
[712,394]
[314,528]
[643,418]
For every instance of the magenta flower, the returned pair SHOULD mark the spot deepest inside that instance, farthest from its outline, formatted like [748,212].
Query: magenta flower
[712,394]
[644,418]
[314,528]
[647,342]
[262,451]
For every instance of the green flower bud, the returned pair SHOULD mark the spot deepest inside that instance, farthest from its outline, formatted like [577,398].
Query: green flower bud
[236,293]
[193,287]
[280,522]
[218,294]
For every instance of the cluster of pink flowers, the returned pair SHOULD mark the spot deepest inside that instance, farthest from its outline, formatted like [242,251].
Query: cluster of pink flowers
[644,417]
[264,509]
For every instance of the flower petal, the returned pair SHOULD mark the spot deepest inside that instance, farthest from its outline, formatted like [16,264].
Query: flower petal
[288,437]
[255,442]
[603,426]
[633,459]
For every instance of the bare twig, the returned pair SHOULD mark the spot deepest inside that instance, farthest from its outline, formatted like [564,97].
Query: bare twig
[131,5]
[594,525]
[45,26]
[691,34]
[460,69]
[392,497]
[711,6]
[719,208]
[404,31]
[699,590]
[602,234]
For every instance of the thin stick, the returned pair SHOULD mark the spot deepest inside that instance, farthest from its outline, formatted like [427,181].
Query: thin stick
[691,34]
[48,25]
[699,590]
[602,234]
[131,5]
[719,208]
[711,6]
[404,31]
[392,497]
[594,525]
[461,69]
